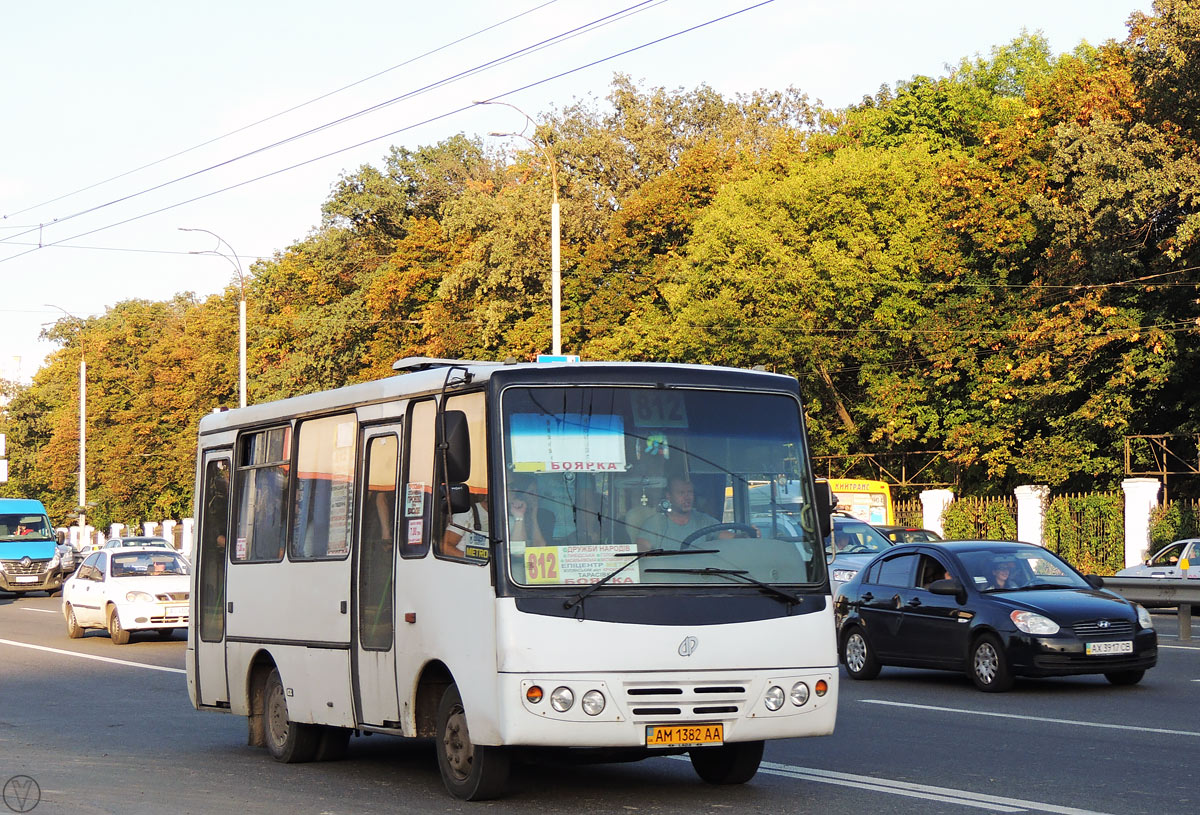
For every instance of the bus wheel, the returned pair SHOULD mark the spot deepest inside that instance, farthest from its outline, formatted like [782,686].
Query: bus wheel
[333,743]
[287,741]
[471,772]
[729,764]
[118,634]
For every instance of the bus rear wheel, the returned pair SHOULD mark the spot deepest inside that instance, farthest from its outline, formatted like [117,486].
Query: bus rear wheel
[471,772]
[733,763]
[287,741]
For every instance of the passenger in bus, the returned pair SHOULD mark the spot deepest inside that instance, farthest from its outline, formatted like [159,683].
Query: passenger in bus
[588,519]
[468,528]
[526,520]
[680,518]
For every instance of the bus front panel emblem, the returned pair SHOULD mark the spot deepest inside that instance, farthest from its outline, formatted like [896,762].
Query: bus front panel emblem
[688,646]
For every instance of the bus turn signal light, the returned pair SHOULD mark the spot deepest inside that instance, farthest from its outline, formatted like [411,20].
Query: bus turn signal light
[533,694]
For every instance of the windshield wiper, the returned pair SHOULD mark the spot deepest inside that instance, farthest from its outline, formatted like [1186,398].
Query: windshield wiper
[739,573]
[634,557]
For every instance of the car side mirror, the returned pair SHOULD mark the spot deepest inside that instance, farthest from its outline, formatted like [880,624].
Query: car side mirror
[951,587]
[1094,580]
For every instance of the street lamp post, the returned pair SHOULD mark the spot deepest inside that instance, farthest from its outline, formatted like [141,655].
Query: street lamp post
[555,229]
[232,257]
[82,429]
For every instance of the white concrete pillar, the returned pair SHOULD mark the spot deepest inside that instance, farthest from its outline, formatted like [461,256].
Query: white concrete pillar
[1141,496]
[933,504]
[149,528]
[187,538]
[168,532]
[115,530]
[1032,501]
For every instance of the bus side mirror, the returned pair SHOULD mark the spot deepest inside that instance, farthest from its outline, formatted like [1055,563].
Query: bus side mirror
[452,432]
[823,503]
[460,498]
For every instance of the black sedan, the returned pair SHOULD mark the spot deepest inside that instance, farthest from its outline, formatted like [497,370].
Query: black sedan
[993,609]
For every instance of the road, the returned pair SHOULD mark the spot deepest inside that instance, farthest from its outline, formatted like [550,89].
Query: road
[108,729]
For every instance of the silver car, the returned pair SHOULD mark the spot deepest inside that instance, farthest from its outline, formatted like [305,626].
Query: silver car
[1178,559]
[851,546]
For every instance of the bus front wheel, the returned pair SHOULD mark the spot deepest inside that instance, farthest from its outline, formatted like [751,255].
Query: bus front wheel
[471,772]
[287,741]
[728,764]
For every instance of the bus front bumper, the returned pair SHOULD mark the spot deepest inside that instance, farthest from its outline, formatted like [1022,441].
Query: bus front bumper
[627,710]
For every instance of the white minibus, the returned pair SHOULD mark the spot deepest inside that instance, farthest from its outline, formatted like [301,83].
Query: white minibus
[512,556]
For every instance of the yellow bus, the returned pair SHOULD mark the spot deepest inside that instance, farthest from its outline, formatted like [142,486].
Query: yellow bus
[870,501]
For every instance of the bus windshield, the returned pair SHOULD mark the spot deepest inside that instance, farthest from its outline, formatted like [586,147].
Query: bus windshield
[596,475]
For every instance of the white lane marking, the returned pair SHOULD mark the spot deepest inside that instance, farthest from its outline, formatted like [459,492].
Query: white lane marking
[44,610]
[1034,718]
[1181,647]
[91,656]
[979,800]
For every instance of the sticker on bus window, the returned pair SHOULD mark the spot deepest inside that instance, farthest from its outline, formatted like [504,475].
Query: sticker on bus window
[239,549]
[567,442]
[578,564]
[414,499]
[416,530]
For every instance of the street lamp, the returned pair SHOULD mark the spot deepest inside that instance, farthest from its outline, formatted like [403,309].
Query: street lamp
[82,428]
[555,267]
[232,257]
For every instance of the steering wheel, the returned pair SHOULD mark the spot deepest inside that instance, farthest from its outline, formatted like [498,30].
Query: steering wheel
[708,530]
[856,549]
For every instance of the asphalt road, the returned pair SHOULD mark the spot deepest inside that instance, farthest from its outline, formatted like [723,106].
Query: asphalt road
[108,729]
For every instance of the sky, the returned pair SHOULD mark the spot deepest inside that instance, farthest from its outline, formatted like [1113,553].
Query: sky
[125,121]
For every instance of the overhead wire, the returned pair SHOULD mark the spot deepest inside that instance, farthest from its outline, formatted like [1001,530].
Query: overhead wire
[642,5]
[412,126]
[292,109]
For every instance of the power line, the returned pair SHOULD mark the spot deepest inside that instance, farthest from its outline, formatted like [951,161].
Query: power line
[526,51]
[292,109]
[406,128]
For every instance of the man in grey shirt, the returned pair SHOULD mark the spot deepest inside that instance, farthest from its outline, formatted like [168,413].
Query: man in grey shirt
[669,530]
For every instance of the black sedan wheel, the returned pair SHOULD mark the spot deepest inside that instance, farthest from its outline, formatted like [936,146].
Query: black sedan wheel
[859,657]
[1124,677]
[989,665]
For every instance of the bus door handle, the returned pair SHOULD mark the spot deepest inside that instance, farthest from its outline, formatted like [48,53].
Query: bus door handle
[230,606]
[343,606]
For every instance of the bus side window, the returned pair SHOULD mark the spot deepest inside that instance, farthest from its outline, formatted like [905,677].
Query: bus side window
[261,495]
[324,488]
[418,497]
[466,534]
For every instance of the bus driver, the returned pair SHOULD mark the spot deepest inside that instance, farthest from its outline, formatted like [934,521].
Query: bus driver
[669,529]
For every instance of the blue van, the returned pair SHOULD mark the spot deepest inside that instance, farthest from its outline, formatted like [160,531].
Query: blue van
[29,559]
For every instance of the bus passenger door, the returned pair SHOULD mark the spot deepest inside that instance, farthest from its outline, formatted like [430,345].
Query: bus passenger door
[375,689]
[210,559]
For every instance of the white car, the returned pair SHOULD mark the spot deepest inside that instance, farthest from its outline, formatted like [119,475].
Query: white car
[1179,559]
[132,588]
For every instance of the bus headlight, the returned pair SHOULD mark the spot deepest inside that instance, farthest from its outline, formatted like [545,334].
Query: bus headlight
[799,694]
[562,699]
[593,703]
[773,698]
